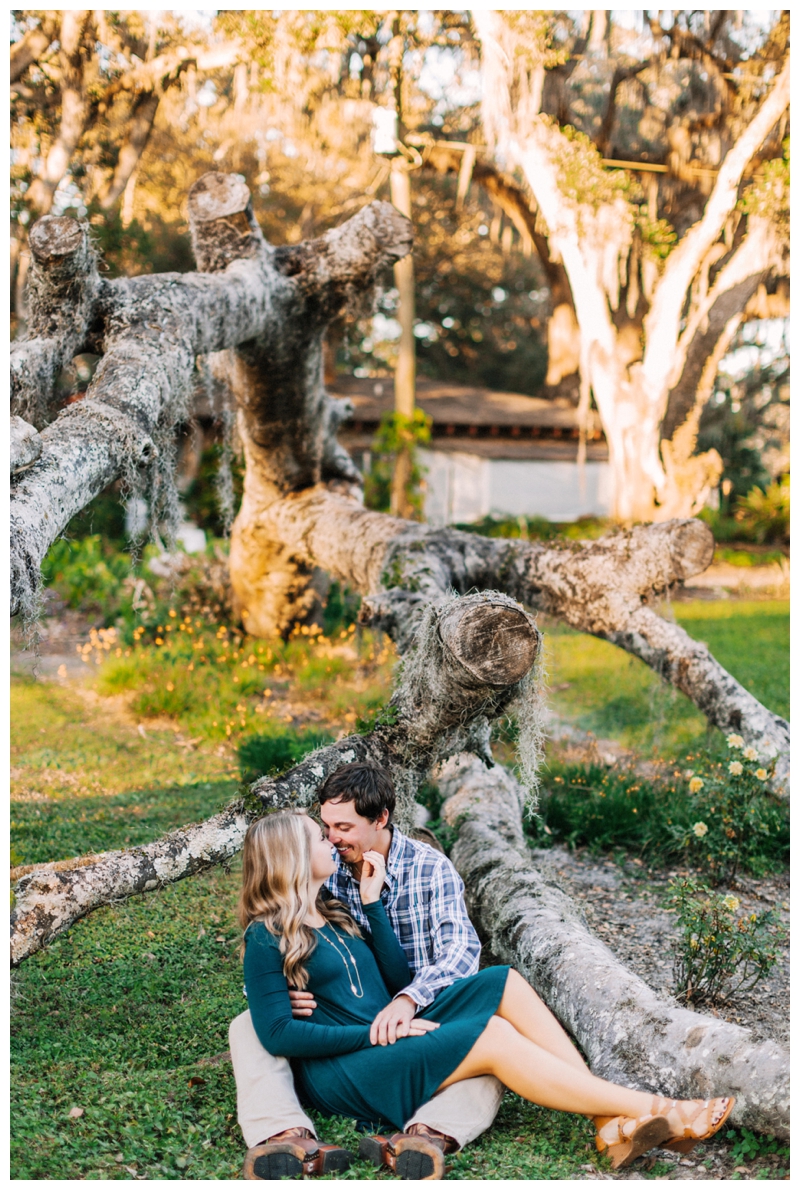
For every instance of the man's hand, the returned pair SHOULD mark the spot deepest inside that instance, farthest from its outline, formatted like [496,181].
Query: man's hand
[397,1020]
[303,1003]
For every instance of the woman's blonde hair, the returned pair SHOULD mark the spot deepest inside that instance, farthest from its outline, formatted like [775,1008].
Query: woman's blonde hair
[276,879]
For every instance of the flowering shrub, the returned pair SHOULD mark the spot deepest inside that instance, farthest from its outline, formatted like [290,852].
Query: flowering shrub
[734,822]
[718,951]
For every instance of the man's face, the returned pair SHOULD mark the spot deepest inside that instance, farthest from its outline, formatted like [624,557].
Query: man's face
[349,833]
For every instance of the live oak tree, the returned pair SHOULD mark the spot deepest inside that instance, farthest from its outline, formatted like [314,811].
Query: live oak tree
[257,316]
[656,306]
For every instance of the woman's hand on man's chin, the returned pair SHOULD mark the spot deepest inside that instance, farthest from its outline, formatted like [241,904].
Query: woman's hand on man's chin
[373,877]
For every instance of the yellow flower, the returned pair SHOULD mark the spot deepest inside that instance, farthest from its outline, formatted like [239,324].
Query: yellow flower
[735,741]
[761,774]
[696,784]
[735,768]
[700,829]
[732,903]
[694,944]
[750,754]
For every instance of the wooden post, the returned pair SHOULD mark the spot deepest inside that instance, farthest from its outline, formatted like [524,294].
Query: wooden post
[406,372]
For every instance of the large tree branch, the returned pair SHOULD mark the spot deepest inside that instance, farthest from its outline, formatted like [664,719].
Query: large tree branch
[35,42]
[166,69]
[74,111]
[63,289]
[601,587]
[755,259]
[629,1034]
[663,320]
[153,328]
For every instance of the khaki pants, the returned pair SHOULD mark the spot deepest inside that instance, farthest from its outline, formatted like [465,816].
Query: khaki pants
[267,1102]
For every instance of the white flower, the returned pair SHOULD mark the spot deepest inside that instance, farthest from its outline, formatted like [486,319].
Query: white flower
[735,741]
[696,784]
[732,903]
[735,768]
[700,829]
[750,754]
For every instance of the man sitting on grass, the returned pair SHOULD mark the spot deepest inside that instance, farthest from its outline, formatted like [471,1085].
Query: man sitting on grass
[424,900]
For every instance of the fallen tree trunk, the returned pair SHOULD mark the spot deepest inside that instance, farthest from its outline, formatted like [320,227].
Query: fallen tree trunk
[628,1033]
[602,587]
[473,657]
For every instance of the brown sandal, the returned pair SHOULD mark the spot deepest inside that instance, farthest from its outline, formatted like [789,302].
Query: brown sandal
[623,1138]
[690,1136]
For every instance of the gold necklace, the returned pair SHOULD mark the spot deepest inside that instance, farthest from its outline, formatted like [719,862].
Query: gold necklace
[358,992]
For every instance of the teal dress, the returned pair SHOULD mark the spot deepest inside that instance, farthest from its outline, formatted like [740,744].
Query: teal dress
[336,1068]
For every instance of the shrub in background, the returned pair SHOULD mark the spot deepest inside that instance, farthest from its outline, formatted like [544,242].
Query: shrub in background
[764,516]
[87,574]
[735,823]
[720,822]
[591,805]
[271,753]
[717,952]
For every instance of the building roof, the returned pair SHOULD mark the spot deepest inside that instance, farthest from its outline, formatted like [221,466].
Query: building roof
[456,404]
[473,419]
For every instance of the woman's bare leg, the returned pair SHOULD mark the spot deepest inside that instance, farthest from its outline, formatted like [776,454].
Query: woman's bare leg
[543,1078]
[531,1017]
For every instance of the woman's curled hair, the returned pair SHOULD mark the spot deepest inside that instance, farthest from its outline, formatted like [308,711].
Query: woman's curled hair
[276,878]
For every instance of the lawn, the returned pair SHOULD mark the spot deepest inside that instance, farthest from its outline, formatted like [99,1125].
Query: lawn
[119,1026]
[599,688]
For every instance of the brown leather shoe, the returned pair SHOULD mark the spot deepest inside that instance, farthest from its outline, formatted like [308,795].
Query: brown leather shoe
[294,1157]
[417,1158]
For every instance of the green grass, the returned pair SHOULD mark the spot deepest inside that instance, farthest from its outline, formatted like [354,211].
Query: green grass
[601,689]
[220,685]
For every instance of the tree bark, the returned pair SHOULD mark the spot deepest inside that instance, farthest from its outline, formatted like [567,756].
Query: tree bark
[26,445]
[286,420]
[628,1033]
[150,331]
[600,587]
[63,291]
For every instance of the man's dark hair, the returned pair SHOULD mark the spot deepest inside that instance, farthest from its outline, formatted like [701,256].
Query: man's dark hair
[366,784]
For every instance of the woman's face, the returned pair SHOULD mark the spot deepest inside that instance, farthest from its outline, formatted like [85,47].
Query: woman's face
[323,855]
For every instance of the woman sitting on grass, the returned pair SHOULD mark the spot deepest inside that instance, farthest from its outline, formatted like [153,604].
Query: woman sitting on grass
[489,1023]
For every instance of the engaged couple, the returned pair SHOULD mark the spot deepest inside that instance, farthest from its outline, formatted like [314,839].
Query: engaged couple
[365,1000]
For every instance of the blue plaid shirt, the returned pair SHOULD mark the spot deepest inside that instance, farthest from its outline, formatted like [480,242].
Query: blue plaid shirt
[424,900]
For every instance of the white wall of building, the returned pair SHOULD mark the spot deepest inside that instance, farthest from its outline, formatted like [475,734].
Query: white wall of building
[463,487]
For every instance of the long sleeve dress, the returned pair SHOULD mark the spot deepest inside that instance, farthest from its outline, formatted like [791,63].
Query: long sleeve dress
[338,1071]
